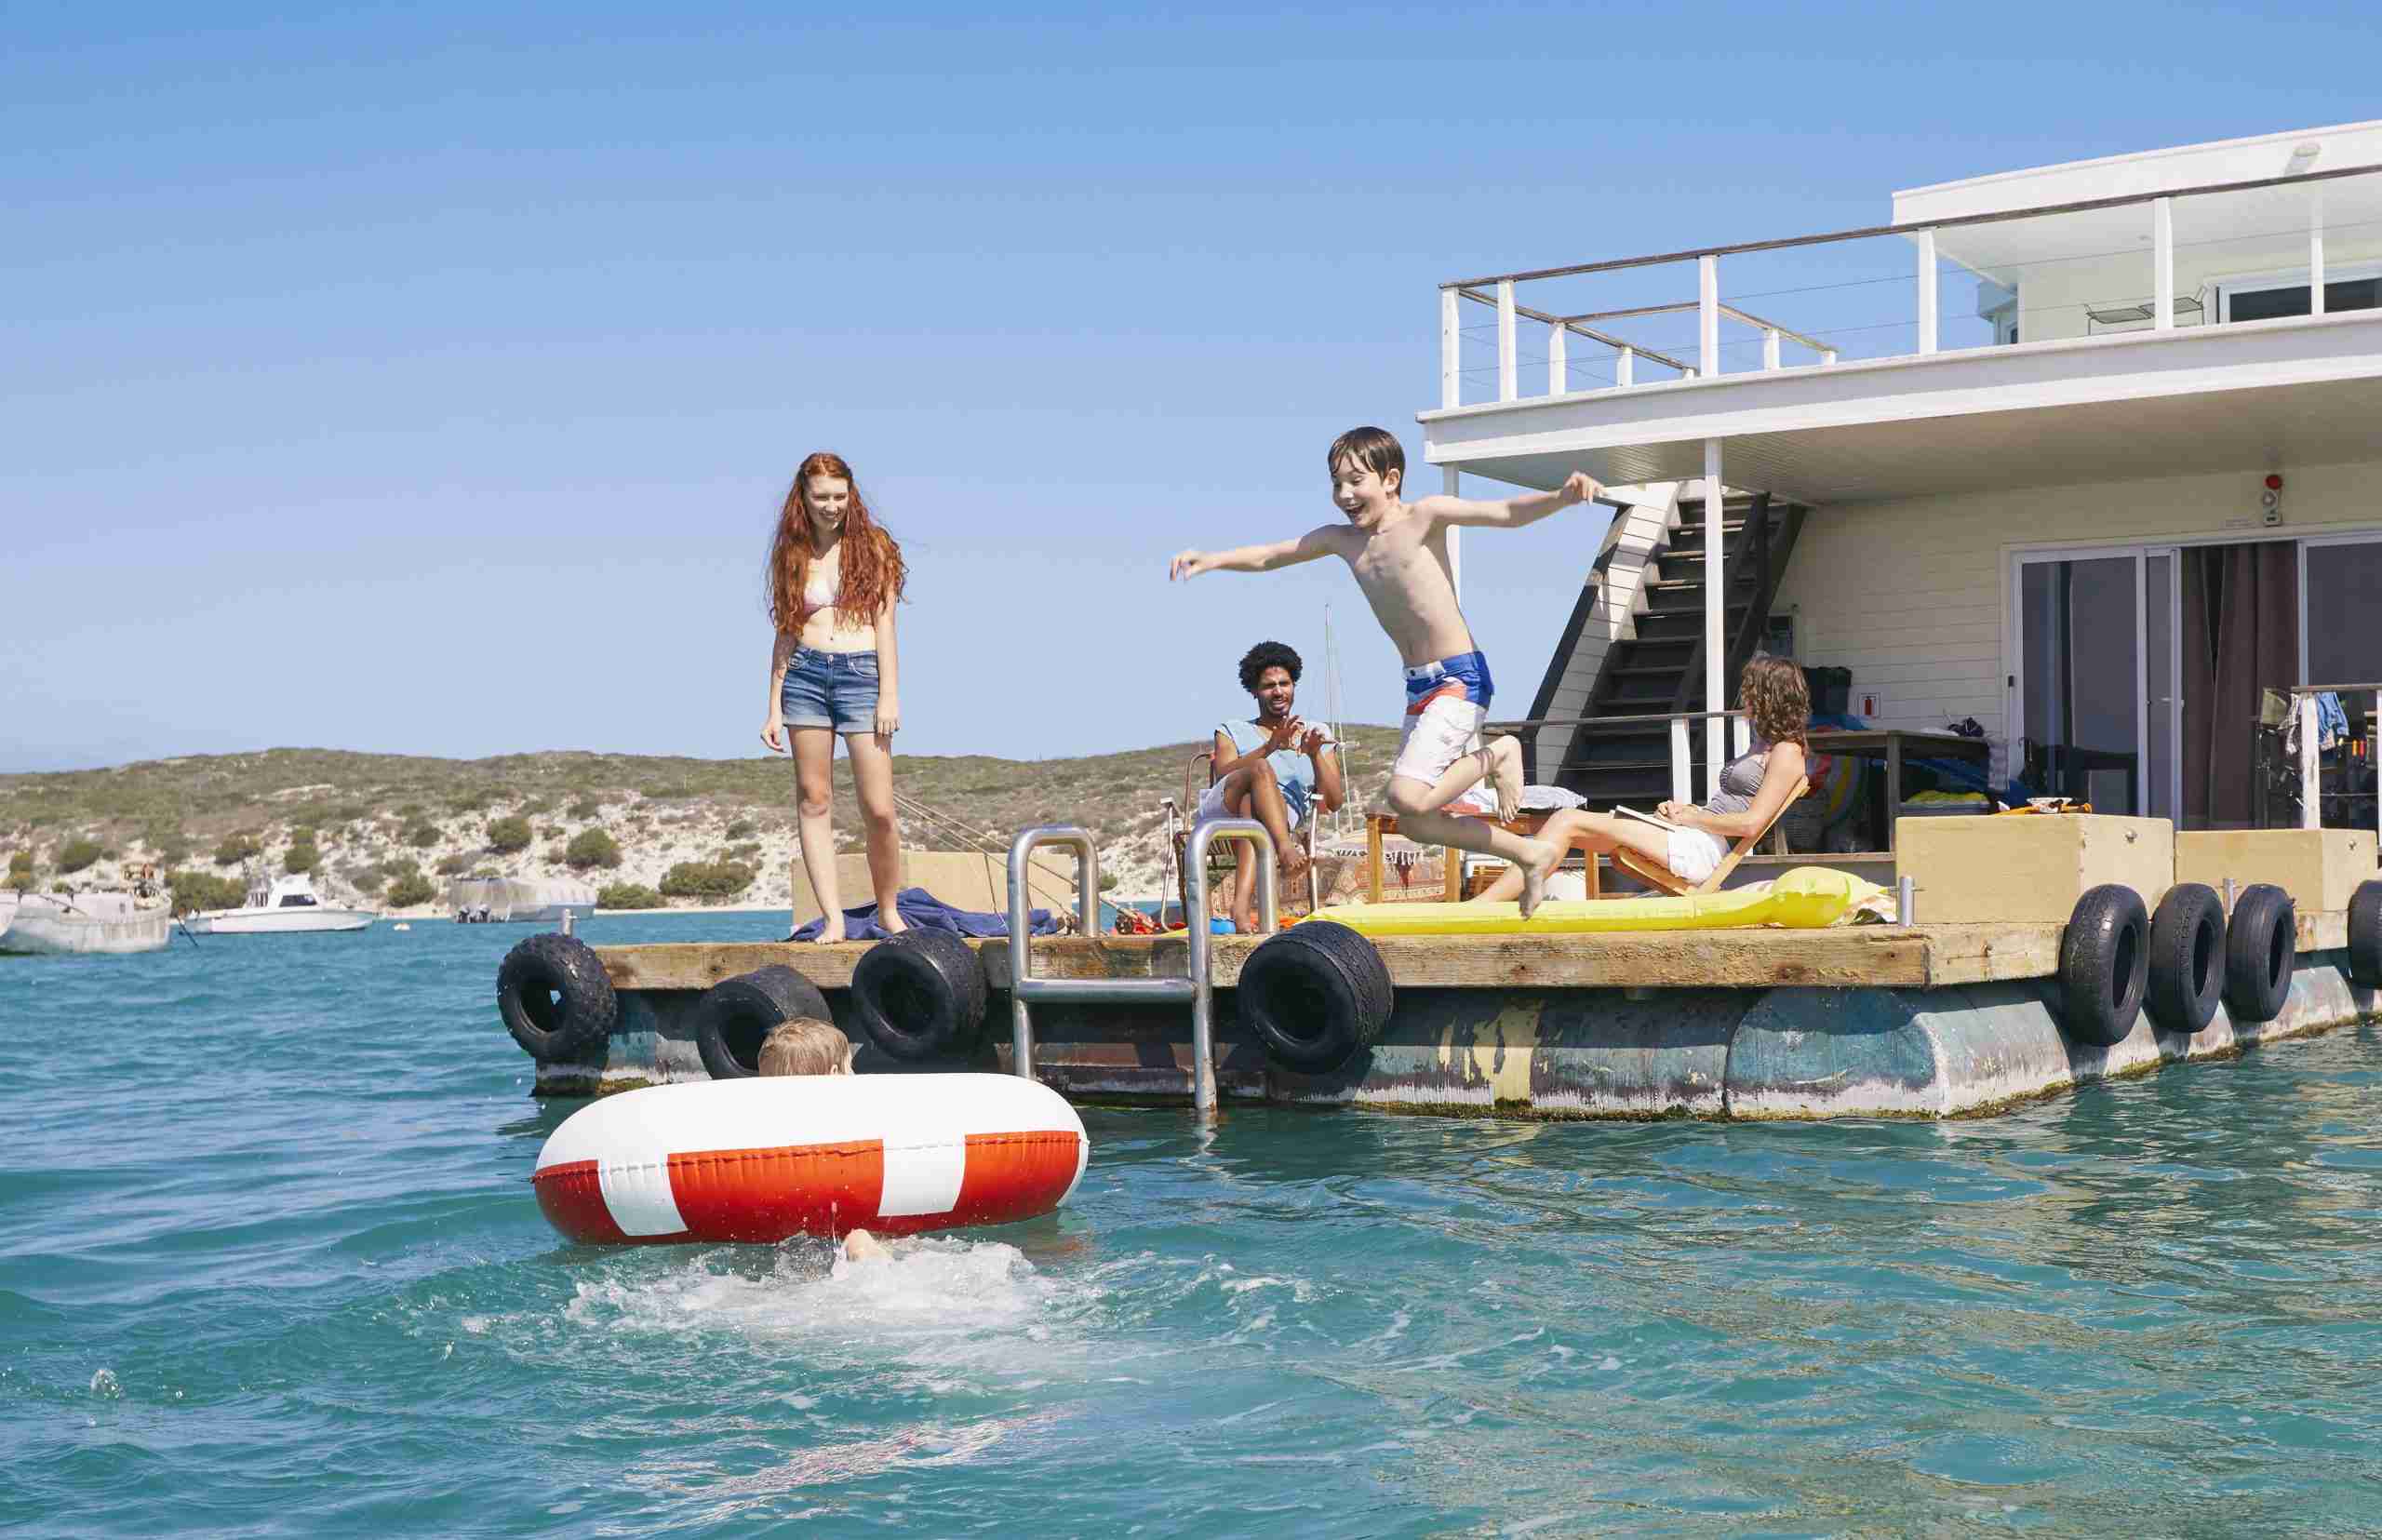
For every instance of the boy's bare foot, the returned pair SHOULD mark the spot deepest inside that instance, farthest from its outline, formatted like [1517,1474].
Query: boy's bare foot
[831,933]
[1505,776]
[889,921]
[1537,866]
[1245,924]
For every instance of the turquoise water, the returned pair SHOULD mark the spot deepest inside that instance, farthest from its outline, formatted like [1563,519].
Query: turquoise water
[269,1265]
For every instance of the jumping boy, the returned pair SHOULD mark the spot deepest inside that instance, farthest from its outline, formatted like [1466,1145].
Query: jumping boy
[1398,551]
[807,1046]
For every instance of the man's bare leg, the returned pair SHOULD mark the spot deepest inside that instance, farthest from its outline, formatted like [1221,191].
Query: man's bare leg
[1253,792]
[1422,820]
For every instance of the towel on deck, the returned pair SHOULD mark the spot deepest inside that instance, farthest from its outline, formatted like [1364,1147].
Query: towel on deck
[922,908]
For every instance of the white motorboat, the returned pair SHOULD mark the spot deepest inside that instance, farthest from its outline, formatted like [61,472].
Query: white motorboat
[517,899]
[289,905]
[84,923]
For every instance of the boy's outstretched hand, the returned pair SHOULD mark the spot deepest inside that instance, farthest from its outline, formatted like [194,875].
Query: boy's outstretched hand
[1187,564]
[1580,486]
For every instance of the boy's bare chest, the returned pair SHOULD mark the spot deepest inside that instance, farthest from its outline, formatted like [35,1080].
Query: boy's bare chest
[1394,559]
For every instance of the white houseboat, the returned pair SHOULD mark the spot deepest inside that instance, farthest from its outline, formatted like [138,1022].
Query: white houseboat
[99,924]
[288,905]
[2082,459]
[518,899]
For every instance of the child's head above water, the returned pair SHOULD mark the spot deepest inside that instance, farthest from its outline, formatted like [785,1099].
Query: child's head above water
[1368,468]
[806,1046]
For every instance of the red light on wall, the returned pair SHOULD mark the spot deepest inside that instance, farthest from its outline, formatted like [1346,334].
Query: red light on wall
[2274,483]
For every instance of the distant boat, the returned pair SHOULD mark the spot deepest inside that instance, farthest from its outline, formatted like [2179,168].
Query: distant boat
[500,900]
[286,907]
[43,923]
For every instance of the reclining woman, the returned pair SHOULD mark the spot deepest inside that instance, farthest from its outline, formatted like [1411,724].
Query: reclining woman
[1754,786]
[1272,767]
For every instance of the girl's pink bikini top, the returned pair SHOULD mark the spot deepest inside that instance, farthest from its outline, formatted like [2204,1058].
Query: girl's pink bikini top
[814,599]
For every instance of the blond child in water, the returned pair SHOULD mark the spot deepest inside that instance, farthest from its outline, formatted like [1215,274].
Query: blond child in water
[809,1046]
[1398,551]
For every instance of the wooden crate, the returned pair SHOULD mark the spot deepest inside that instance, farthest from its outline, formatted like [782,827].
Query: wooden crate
[2320,868]
[1992,870]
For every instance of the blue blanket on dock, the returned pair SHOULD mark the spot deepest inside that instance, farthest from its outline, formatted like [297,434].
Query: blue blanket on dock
[922,908]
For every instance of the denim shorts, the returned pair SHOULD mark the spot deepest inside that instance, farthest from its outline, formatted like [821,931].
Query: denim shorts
[830,690]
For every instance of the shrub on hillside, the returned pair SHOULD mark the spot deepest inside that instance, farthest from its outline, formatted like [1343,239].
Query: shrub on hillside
[237,848]
[454,865]
[78,854]
[506,835]
[744,828]
[586,808]
[706,879]
[592,847]
[301,857]
[421,835]
[470,801]
[411,890]
[21,870]
[197,890]
[627,895]
[366,880]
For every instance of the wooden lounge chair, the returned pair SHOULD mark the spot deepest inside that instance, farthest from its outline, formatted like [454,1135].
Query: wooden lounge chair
[1663,880]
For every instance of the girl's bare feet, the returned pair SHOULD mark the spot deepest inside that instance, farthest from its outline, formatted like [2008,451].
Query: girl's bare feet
[890,921]
[1506,777]
[1541,858]
[831,933]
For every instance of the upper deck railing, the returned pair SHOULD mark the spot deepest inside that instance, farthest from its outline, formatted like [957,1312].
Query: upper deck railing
[2070,269]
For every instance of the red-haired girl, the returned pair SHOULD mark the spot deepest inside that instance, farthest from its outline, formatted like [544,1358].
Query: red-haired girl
[834,576]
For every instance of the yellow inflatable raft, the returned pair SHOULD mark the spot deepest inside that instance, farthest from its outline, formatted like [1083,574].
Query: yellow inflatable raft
[1806,898]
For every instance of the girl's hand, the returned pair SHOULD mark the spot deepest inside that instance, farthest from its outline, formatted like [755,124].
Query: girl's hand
[774,733]
[1674,813]
[1187,564]
[889,717]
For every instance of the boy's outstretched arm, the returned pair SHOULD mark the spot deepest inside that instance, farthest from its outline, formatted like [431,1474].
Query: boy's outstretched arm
[1315,544]
[1513,512]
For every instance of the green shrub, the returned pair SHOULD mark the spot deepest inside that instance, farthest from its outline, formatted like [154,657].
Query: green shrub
[21,861]
[470,801]
[706,879]
[506,835]
[535,806]
[236,847]
[747,854]
[411,890]
[301,857]
[78,854]
[592,847]
[421,835]
[454,865]
[744,828]
[584,809]
[367,880]
[197,890]
[351,812]
[627,895]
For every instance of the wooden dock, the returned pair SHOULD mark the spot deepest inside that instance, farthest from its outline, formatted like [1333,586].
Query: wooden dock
[1891,957]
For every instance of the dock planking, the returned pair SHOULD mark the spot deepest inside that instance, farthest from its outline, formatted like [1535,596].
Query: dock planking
[1924,956]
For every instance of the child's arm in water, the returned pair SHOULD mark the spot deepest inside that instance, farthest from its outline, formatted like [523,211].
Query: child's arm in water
[1311,547]
[1514,512]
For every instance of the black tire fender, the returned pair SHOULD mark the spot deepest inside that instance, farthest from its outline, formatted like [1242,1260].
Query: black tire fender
[735,1014]
[2261,953]
[2365,935]
[2187,959]
[921,995]
[2103,961]
[1315,995]
[555,997]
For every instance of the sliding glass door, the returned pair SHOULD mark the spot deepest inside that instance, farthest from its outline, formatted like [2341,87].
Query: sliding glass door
[2098,707]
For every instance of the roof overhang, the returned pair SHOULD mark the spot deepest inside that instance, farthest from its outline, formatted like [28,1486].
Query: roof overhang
[2250,396]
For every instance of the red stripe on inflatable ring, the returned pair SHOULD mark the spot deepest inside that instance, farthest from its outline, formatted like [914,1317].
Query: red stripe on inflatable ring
[572,1197]
[773,1194]
[1016,1175]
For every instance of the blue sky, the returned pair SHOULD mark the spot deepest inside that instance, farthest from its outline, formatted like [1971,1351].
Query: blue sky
[426,380]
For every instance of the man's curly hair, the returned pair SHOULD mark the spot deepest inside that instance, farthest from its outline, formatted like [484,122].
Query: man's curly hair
[1265,655]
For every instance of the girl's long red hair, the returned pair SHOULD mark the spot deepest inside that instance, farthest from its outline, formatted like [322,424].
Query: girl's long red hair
[873,571]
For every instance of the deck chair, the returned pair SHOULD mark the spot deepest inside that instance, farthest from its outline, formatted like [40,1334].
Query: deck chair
[1197,776]
[1663,880]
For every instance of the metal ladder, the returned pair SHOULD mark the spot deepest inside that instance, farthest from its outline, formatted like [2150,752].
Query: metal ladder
[1194,987]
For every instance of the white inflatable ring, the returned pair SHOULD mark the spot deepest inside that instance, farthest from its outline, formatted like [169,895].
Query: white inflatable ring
[768,1157]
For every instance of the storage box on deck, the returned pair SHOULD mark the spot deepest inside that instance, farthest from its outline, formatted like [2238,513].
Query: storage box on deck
[1975,870]
[2320,868]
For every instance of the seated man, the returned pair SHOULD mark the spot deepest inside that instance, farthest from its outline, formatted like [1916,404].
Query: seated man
[1272,767]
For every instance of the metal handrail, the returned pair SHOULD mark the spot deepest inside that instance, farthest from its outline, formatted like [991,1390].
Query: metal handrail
[1529,724]
[1682,306]
[1197,984]
[1571,324]
[1954,221]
